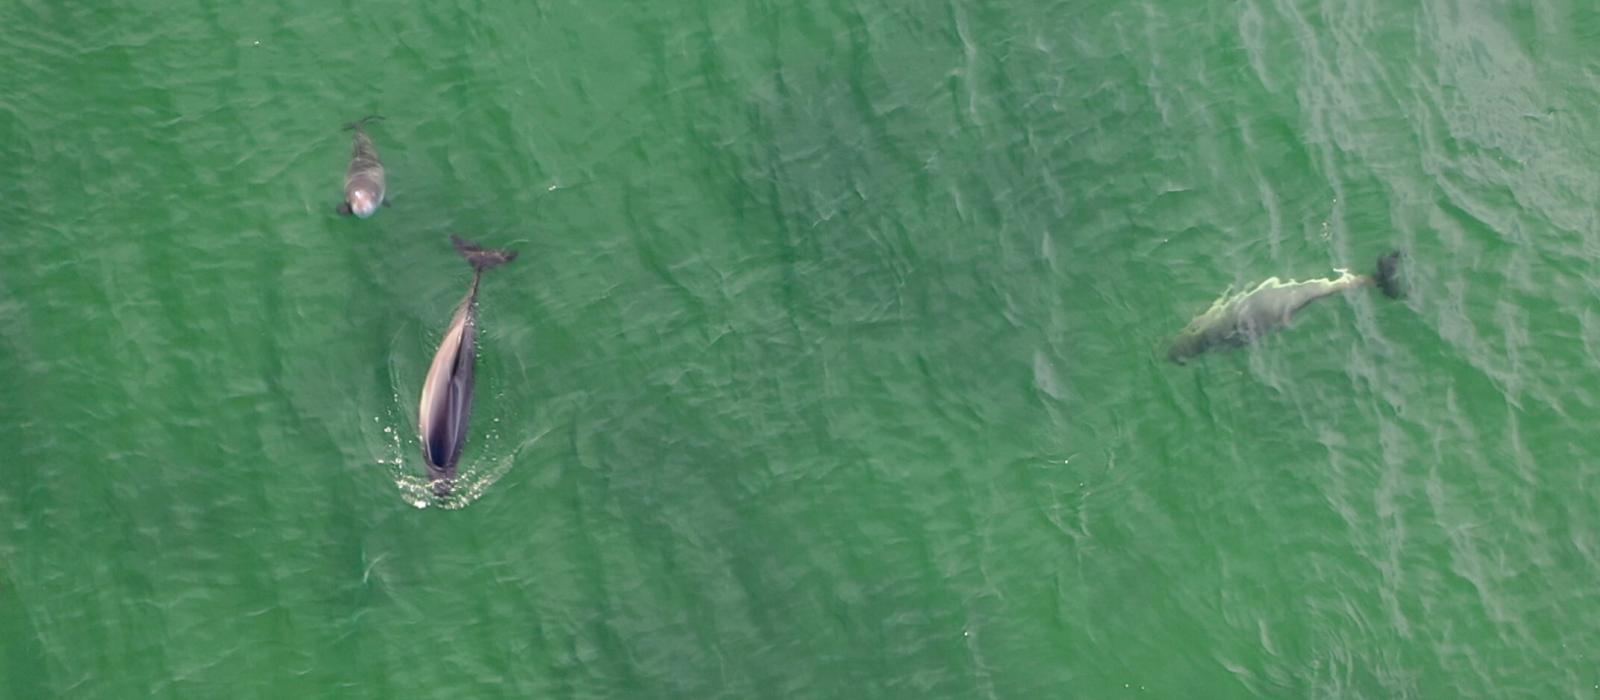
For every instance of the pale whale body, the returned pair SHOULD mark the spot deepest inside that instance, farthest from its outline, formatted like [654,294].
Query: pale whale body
[447,392]
[364,180]
[1237,320]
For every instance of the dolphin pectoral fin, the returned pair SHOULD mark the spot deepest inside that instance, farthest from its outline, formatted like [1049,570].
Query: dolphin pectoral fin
[386,201]
[343,209]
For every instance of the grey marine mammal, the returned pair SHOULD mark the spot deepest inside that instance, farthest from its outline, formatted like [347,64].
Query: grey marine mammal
[364,179]
[447,391]
[1237,320]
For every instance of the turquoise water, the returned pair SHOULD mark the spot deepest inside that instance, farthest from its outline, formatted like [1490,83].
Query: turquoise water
[831,366]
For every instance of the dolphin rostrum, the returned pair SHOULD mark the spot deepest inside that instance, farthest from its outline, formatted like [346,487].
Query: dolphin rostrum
[363,181]
[1237,320]
[447,392]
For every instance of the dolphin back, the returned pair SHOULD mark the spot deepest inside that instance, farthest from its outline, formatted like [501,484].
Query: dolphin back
[1237,320]
[446,404]
[363,157]
[366,169]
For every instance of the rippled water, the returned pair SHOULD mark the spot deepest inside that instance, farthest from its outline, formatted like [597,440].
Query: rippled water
[832,366]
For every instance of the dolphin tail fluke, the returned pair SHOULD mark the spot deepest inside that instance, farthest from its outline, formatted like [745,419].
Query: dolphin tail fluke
[481,258]
[1388,275]
[356,125]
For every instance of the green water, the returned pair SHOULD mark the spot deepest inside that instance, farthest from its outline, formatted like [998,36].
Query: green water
[832,363]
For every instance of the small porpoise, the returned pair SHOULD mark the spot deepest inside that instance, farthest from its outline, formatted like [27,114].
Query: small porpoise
[447,392]
[363,181]
[1237,320]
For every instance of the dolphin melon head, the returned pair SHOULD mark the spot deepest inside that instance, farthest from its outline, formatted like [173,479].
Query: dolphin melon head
[1189,343]
[363,204]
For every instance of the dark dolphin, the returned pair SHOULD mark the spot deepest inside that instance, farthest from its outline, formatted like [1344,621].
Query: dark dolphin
[364,180]
[447,392]
[1237,320]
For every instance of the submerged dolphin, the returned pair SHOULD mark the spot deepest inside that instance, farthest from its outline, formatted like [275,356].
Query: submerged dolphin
[1237,320]
[447,392]
[363,181]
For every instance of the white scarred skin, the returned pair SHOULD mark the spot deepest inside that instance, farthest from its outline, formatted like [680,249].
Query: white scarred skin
[1237,320]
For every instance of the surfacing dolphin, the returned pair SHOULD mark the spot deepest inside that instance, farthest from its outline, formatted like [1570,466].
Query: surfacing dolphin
[363,180]
[1237,320]
[447,392]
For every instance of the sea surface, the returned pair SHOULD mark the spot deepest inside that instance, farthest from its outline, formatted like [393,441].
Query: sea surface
[833,363]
